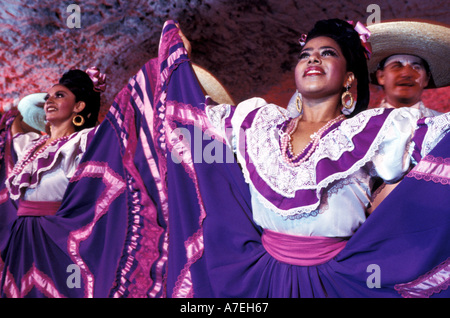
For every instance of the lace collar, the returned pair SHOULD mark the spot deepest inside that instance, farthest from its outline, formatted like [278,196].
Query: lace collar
[278,183]
[30,172]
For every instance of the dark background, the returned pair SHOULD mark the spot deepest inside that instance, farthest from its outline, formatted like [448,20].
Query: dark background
[250,46]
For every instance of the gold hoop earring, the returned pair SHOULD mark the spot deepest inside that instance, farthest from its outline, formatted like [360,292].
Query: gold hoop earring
[343,98]
[78,120]
[299,104]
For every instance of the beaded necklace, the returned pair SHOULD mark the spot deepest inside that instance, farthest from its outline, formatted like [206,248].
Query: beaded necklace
[32,154]
[286,141]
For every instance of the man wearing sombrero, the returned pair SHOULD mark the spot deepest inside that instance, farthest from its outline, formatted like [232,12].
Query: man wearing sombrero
[408,57]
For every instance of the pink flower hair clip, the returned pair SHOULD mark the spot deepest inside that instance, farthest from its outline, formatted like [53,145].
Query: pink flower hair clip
[99,79]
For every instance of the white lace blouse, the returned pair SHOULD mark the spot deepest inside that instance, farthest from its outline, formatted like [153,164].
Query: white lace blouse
[327,195]
[47,177]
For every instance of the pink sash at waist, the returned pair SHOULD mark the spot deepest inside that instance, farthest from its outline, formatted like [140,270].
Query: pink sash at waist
[38,208]
[301,250]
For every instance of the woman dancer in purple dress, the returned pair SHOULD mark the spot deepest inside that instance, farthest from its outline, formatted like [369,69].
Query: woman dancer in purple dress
[311,172]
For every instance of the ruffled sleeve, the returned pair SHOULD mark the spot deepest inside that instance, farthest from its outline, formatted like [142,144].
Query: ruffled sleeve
[75,150]
[429,133]
[393,146]
[47,176]
[22,141]
[229,119]
[406,139]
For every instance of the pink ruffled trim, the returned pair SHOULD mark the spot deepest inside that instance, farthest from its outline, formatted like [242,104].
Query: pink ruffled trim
[194,250]
[150,254]
[33,278]
[194,246]
[4,196]
[28,178]
[115,185]
[2,266]
[430,168]
[161,132]
[144,257]
[435,281]
[188,115]
[179,148]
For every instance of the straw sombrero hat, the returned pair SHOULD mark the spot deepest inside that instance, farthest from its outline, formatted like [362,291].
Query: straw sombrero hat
[430,41]
[212,86]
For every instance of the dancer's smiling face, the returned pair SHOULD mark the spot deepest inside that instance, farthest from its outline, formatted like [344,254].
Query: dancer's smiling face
[322,68]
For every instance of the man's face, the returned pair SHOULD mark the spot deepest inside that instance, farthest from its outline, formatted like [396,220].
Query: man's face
[403,78]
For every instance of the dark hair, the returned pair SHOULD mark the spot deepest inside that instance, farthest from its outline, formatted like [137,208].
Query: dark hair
[348,40]
[81,85]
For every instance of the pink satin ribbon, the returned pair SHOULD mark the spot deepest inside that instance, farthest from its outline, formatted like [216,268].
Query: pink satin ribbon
[38,208]
[364,35]
[302,39]
[99,79]
[301,250]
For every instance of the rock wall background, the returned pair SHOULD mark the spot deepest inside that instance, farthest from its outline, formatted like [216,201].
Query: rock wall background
[251,46]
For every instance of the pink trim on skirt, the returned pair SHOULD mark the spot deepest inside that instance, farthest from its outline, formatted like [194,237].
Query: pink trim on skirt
[38,208]
[301,250]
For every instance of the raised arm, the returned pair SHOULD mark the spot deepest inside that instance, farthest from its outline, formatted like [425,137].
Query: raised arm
[32,115]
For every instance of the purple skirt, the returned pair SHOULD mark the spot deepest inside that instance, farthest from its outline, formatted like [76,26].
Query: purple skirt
[216,250]
[136,223]
[402,249]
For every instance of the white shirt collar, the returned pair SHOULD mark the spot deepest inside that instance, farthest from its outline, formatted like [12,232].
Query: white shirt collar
[385,104]
[426,112]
